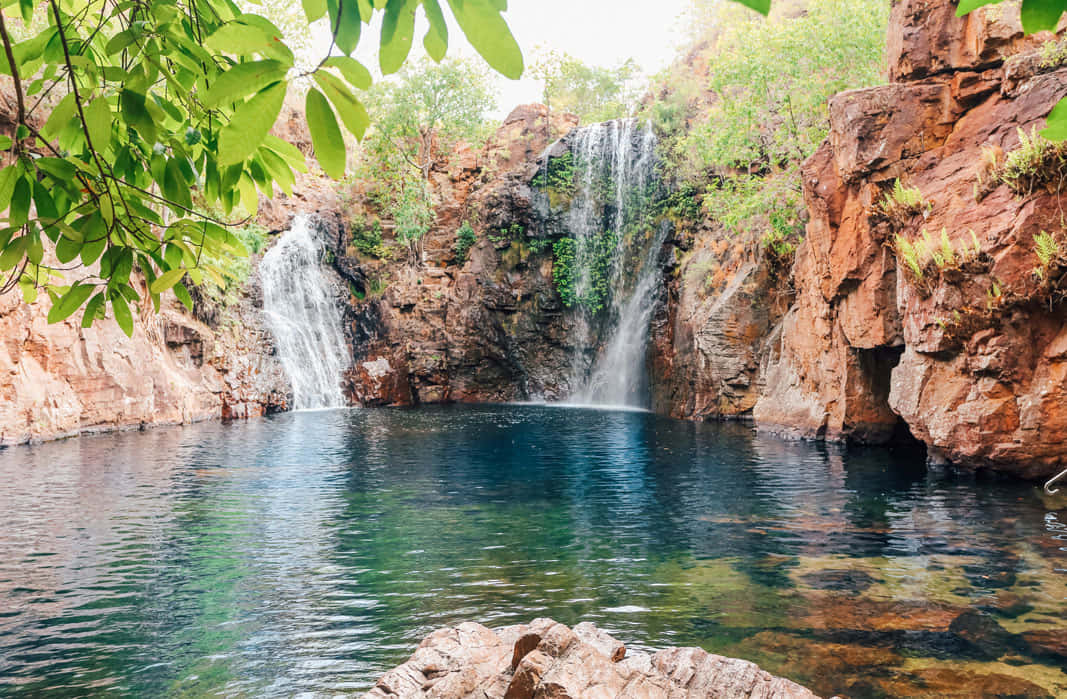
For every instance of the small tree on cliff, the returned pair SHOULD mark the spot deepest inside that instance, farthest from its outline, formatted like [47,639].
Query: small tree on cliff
[162,111]
[420,118]
[1036,15]
[594,93]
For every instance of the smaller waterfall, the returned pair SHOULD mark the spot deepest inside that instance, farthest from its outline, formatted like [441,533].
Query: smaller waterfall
[304,317]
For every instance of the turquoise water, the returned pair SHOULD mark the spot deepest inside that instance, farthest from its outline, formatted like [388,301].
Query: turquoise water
[308,552]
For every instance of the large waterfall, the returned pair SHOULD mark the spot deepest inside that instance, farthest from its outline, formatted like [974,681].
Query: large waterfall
[617,246]
[304,317]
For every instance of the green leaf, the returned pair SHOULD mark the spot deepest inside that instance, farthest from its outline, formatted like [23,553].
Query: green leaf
[250,124]
[13,252]
[132,106]
[183,295]
[1041,15]
[489,34]
[98,122]
[62,170]
[398,31]
[5,142]
[60,116]
[966,6]
[8,177]
[248,35]
[352,112]
[120,41]
[347,26]
[353,71]
[436,40]
[67,249]
[70,302]
[242,80]
[122,313]
[175,188]
[288,152]
[1056,130]
[314,9]
[20,203]
[167,280]
[92,311]
[325,135]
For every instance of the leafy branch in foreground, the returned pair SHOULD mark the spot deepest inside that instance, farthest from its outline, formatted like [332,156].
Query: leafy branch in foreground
[134,117]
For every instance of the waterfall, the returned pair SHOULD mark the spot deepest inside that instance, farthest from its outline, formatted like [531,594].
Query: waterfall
[304,317]
[616,260]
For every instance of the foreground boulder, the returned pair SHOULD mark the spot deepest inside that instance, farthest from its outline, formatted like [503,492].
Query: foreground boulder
[547,660]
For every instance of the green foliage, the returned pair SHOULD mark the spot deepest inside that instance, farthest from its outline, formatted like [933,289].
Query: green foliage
[769,111]
[419,119]
[1036,162]
[557,176]
[593,93]
[901,203]
[164,98]
[367,239]
[539,245]
[918,255]
[222,288]
[596,255]
[783,237]
[465,240]
[756,118]
[913,255]
[1049,252]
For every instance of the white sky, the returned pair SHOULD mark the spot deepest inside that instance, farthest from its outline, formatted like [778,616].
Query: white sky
[598,32]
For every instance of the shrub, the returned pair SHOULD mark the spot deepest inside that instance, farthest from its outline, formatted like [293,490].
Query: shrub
[901,203]
[1048,251]
[1035,163]
[465,240]
[367,239]
[943,253]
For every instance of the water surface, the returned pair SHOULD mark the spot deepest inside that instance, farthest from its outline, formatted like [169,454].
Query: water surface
[308,552]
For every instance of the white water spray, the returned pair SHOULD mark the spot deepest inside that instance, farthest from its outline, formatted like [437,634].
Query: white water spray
[304,317]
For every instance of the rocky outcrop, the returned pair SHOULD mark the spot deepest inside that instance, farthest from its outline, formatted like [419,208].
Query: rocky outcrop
[546,660]
[489,328]
[61,380]
[968,355]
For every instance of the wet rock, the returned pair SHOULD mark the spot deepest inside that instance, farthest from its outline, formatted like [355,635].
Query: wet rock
[471,660]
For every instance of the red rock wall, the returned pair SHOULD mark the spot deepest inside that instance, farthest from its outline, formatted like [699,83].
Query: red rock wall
[987,395]
[61,380]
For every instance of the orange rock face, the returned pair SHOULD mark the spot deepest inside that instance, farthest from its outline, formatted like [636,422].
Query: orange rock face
[970,357]
[61,380]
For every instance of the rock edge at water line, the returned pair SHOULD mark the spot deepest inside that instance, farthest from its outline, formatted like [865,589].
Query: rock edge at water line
[548,660]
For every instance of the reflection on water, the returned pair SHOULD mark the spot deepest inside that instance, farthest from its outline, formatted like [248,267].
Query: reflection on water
[311,551]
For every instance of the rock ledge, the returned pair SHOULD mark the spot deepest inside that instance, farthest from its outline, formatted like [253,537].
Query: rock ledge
[547,660]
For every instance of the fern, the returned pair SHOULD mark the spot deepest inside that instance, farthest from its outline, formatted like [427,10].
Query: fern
[1047,249]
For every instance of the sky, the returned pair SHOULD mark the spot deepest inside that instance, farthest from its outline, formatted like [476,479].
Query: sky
[598,32]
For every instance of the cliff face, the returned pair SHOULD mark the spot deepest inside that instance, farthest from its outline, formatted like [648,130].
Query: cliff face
[487,328]
[62,380]
[969,354]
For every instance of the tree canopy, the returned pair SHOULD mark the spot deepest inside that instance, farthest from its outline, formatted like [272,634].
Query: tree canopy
[141,125]
[594,93]
[419,118]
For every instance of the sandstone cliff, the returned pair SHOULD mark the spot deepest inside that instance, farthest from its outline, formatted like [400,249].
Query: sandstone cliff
[970,355]
[61,380]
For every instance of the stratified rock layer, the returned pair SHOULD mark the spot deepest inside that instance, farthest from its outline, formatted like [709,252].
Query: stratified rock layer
[547,660]
[61,379]
[971,358]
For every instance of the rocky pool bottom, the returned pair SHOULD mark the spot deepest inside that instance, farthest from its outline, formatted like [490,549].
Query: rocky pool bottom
[311,552]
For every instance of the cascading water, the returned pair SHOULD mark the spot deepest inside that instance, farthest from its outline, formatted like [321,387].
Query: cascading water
[304,317]
[616,270]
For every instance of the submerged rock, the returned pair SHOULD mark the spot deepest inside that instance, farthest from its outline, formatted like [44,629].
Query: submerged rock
[547,660]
